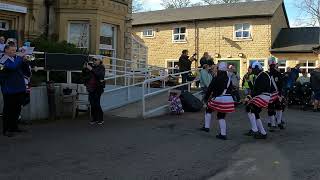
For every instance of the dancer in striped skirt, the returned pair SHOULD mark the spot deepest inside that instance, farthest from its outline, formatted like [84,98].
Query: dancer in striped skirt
[275,107]
[219,99]
[258,100]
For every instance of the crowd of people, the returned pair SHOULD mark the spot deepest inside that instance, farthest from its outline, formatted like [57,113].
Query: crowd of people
[220,85]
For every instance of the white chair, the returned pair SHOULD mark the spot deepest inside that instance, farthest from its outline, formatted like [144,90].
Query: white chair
[82,99]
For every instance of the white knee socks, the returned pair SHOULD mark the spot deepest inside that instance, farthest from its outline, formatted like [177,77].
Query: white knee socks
[260,127]
[207,120]
[279,116]
[253,122]
[223,127]
[272,120]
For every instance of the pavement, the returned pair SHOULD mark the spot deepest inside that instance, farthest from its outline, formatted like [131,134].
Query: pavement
[162,148]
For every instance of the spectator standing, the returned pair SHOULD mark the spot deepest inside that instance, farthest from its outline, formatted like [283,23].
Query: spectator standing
[2,44]
[204,59]
[293,75]
[205,78]
[95,73]
[235,78]
[304,78]
[246,82]
[185,64]
[13,89]
[315,84]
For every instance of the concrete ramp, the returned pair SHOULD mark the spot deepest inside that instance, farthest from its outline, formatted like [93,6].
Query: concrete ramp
[134,110]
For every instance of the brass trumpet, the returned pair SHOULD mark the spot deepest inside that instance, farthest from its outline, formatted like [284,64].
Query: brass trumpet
[29,57]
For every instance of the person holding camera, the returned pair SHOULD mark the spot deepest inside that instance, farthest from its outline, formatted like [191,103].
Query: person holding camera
[185,64]
[94,73]
[13,89]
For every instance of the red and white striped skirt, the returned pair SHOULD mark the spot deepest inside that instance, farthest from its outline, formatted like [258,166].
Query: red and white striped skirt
[223,104]
[274,97]
[261,100]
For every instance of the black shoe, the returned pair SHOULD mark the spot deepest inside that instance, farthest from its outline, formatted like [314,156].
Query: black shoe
[205,129]
[101,122]
[273,128]
[92,122]
[260,136]
[269,124]
[19,131]
[281,126]
[222,137]
[250,133]
[9,134]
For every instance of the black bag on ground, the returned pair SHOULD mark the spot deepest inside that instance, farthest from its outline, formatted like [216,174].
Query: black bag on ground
[190,103]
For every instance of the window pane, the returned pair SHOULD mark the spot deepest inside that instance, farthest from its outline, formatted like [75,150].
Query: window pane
[311,63]
[145,33]
[239,34]
[310,70]
[176,37]
[282,63]
[238,27]
[150,32]
[182,37]
[246,34]
[183,30]
[246,27]
[79,34]
[176,30]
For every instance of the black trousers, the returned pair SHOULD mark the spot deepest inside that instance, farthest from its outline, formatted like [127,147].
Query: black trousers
[11,110]
[96,110]
[254,109]
[184,80]
[220,115]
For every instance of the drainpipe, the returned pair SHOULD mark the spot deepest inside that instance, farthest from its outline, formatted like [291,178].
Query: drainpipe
[47,4]
[196,41]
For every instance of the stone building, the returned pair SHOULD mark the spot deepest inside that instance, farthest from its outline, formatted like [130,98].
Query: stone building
[238,33]
[102,26]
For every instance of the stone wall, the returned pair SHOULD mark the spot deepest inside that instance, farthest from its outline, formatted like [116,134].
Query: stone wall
[214,37]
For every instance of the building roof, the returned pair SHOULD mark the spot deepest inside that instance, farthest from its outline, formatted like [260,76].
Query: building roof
[218,11]
[292,40]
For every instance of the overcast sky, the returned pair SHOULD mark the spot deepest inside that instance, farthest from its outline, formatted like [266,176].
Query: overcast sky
[292,11]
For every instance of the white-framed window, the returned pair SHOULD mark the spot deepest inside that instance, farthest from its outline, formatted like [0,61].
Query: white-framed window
[261,61]
[242,31]
[172,66]
[179,34]
[78,34]
[282,65]
[308,65]
[4,25]
[148,32]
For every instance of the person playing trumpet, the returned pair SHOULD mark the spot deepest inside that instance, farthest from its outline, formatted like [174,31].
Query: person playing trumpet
[13,89]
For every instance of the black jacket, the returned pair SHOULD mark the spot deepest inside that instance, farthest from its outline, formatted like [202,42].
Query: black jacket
[261,84]
[315,80]
[218,85]
[184,63]
[278,78]
[93,78]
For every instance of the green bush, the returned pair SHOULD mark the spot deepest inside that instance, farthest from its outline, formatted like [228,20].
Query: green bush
[45,45]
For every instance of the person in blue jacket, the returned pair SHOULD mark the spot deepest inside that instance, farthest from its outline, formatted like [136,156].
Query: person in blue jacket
[13,89]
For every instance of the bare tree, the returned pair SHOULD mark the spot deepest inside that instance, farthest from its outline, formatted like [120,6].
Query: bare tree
[176,3]
[310,11]
[211,2]
[137,6]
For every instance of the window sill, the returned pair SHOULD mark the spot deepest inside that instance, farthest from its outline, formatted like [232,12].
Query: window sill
[237,40]
[180,42]
[148,37]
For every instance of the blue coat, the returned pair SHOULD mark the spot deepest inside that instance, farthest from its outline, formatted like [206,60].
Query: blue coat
[11,77]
